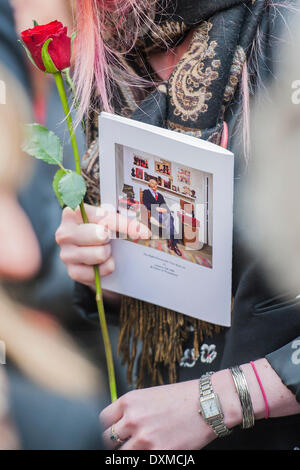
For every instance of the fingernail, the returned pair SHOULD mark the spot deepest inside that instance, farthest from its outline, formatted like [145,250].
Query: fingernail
[110,266]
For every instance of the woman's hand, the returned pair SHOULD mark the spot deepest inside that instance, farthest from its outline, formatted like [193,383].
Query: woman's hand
[86,245]
[159,418]
[167,417]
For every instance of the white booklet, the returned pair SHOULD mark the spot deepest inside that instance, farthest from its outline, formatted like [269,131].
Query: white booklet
[182,188]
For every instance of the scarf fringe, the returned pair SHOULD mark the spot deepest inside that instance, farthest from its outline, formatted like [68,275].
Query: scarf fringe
[160,333]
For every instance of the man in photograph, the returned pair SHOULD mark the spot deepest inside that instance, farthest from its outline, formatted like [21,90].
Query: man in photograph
[156,204]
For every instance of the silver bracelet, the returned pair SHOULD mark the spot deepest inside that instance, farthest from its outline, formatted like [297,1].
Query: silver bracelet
[244,396]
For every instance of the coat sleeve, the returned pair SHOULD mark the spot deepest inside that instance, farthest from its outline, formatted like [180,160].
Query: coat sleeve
[146,200]
[84,303]
[286,363]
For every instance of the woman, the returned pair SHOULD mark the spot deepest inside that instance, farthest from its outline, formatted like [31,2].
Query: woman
[187,66]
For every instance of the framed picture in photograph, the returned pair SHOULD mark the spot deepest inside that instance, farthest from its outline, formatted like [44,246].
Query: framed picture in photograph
[184,176]
[139,173]
[163,167]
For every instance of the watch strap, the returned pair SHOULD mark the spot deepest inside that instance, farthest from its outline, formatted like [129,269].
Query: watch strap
[217,422]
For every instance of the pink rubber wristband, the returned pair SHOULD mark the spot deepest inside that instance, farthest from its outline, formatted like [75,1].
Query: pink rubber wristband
[262,389]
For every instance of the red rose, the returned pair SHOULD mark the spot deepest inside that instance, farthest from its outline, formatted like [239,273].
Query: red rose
[59,48]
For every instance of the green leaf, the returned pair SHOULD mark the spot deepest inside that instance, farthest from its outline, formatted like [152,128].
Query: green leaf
[72,189]
[57,177]
[35,23]
[43,144]
[47,61]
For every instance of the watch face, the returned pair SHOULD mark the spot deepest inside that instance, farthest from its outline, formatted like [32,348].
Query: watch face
[210,408]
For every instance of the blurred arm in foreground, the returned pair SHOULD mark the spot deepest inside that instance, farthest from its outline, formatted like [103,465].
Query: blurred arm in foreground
[52,393]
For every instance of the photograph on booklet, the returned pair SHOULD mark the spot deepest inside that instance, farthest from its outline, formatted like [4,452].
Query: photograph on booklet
[174,201]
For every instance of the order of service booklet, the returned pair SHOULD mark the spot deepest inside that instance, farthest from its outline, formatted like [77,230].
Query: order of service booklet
[181,188]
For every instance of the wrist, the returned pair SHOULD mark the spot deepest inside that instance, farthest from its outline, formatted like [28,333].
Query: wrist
[258,403]
[224,387]
[280,400]
[269,396]
[264,398]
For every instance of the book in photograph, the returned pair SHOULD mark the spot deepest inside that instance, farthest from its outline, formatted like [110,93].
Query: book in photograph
[181,187]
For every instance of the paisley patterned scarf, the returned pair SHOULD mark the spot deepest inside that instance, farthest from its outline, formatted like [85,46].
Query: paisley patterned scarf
[194,101]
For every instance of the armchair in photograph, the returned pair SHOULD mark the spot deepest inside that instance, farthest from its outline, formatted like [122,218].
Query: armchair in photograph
[190,226]
[127,205]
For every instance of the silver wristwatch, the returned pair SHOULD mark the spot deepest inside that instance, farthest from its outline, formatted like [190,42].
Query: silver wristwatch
[210,408]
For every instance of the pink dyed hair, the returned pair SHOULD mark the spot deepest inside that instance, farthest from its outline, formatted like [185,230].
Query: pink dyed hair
[96,61]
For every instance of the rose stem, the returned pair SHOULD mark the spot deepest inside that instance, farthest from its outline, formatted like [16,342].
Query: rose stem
[99,299]
[73,90]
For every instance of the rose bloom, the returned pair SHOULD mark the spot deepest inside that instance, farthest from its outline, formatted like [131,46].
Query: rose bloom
[59,48]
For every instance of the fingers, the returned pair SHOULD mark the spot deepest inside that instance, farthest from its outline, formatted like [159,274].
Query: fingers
[111,414]
[109,219]
[94,214]
[137,443]
[107,268]
[85,274]
[108,417]
[89,255]
[83,235]
[122,417]
[85,245]
[120,431]
[99,231]
[127,431]
[116,223]
[124,225]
